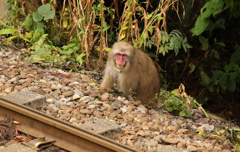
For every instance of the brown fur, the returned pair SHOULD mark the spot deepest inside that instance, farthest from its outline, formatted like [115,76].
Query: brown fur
[139,75]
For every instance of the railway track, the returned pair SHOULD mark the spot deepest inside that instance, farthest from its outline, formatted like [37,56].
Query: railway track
[66,136]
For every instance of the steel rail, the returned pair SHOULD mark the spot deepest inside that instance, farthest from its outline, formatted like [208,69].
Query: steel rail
[67,136]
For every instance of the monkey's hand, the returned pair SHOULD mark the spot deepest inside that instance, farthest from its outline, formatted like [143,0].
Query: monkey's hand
[102,90]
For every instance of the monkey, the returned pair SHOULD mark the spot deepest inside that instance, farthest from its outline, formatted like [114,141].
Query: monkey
[133,71]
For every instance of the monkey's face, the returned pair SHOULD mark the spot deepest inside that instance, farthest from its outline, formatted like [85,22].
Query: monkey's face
[121,55]
[121,60]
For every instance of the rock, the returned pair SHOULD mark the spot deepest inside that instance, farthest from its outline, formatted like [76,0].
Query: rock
[85,111]
[28,98]
[76,96]
[53,106]
[142,109]
[145,127]
[85,99]
[73,120]
[104,96]
[50,100]
[181,145]
[151,143]
[56,87]
[101,126]
[202,121]
[67,94]
[97,113]
[68,108]
[170,140]
[130,143]
[141,133]
[59,103]
[85,78]
[208,127]
[192,148]
[124,110]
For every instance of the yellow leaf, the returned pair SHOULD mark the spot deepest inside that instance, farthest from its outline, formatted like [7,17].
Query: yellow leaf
[28,35]
[92,84]
[121,37]
[11,38]
[38,60]
[108,49]
[65,24]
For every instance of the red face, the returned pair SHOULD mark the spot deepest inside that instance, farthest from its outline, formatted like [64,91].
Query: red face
[121,59]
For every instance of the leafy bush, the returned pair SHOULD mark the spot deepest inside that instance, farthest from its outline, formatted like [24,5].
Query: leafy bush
[178,102]
[224,73]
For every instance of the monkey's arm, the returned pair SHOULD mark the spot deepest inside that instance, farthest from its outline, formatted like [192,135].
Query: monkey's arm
[107,82]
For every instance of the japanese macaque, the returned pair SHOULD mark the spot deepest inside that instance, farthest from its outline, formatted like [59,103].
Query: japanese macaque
[133,72]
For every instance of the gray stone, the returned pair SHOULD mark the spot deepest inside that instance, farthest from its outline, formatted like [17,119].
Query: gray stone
[28,98]
[18,148]
[208,127]
[103,127]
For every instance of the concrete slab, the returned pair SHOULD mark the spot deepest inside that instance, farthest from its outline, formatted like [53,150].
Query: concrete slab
[28,98]
[18,148]
[169,148]
[103,127]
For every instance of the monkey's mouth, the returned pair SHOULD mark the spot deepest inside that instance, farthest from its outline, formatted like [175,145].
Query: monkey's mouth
[120,66]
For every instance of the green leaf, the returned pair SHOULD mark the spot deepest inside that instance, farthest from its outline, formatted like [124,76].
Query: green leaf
[206,14]
[49,15]
[217,7]
[217,74]
[233,75]
[161,50]
[192,68]
[230,67]
[11,38]
[235,56]
[220,23]
[8,31]
[160,18]
[80,59]
[182,114]
[150,29]
[188,46]
[170,109]
[216,54]
[205,78]
[223,80]
[36,36]
[28,22]
[69,45]
[220,44]
[231,85]
[200,26]
[204,42]
[68,51]
[42,10]
[149,16]
[37,17]
[46,12]
[40,26]
[151,54]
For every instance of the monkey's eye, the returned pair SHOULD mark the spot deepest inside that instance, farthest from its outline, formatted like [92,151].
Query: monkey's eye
[121,55]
